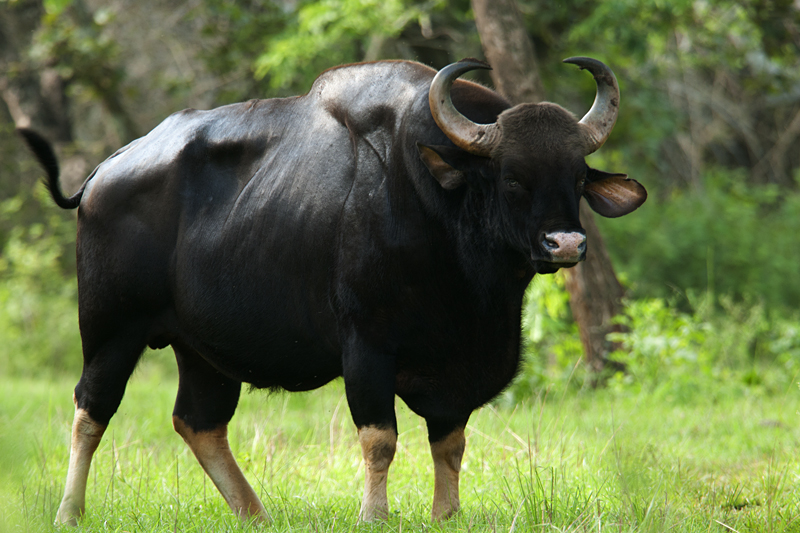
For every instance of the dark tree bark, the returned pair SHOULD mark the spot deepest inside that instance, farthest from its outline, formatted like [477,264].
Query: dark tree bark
[594,292]
[34,96]
[595,297]
[509,50]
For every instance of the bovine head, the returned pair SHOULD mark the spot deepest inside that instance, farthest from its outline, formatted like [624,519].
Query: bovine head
[531,163]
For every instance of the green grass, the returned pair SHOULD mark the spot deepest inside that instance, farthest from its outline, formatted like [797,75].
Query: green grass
[587,461]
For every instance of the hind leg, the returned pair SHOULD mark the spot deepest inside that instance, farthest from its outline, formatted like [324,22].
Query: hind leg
[97,396]
[205,404]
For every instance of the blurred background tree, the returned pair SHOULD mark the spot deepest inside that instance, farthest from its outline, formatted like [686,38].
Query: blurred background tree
[709,122]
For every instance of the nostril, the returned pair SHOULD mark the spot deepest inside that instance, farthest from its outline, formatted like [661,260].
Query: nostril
[550,244]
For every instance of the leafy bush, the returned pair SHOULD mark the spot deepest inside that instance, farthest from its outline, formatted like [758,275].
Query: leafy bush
[552,348]
[38,299]
[330,32]
[730,238]
[681,355]
[694,350]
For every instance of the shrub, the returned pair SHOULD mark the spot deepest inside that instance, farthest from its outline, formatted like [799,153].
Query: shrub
[728,238]
[690,350]
[38,295]
[681,355]
[551,343]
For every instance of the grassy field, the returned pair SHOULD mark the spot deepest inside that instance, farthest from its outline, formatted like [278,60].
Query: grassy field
[577,461]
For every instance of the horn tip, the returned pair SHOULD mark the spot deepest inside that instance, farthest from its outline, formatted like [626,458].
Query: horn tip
[592,65]
[476,63]
[580,61]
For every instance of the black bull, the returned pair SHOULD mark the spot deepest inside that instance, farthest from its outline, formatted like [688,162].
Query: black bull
[367,229]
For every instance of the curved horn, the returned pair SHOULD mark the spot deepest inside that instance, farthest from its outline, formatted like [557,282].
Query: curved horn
[478,139]
[599,121]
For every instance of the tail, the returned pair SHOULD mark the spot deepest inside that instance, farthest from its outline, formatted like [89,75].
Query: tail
[43,151]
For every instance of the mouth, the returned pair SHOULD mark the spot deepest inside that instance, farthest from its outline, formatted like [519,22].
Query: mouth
[543,266]
[546,262]
[546,267]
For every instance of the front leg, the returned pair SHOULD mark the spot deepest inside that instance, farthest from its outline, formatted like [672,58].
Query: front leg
[378,447]
[447,449]
[369,385]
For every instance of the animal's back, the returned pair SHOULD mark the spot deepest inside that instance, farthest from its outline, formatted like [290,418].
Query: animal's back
[225,224]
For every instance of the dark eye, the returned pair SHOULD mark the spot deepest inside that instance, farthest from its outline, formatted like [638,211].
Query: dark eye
[581,180]
[512,183]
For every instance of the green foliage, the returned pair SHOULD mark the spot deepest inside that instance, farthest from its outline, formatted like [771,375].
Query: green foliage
[330,32]
[703,83]
[729,238]
[681,355]
[661,344]
[552,346]
[724,34]
[680,349]
[72,39]
[694,357]
[264,48]
[38,295]
[235,34]
[73,42]
[698,79]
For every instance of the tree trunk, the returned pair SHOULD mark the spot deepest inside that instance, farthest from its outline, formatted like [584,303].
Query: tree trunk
[595,296]
[594,291]
[34,96]
[508,50]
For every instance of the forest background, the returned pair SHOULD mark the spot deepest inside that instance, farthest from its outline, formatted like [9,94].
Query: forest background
[709,123]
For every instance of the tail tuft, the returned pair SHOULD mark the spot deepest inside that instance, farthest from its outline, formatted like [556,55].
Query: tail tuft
[43,151]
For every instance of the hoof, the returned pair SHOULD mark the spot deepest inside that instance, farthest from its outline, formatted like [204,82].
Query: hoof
[68,515]
[437,515]
[374,514]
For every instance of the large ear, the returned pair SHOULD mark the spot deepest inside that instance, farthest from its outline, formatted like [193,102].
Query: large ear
[613,195]
[447,176]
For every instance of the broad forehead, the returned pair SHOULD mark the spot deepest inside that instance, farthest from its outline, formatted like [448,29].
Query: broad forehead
[542,130]
[541,168]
